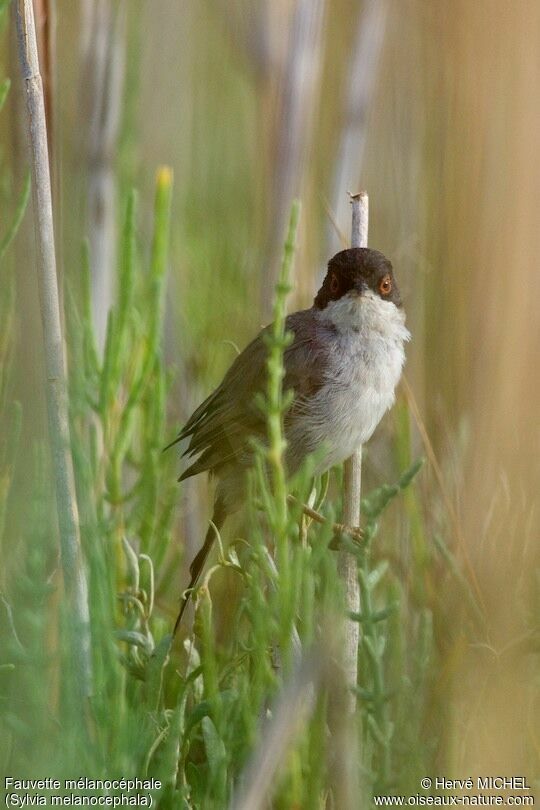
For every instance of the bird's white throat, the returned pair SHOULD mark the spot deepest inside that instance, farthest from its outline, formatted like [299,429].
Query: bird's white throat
[367,314]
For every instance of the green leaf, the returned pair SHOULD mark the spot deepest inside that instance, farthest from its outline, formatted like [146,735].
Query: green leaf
[215,748]
[377,501]
[196,778]
[170,749]
[136,639]
[90,355]
[200,711]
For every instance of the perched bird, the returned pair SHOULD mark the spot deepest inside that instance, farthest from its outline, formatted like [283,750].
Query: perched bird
[343,365]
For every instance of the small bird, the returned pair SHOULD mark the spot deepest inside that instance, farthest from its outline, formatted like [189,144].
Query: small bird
[343,366]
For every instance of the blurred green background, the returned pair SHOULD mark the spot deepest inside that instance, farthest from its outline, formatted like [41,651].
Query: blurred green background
[430,106]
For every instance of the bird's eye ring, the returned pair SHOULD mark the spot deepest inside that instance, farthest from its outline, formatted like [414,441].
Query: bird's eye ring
[385,286]
[334,284]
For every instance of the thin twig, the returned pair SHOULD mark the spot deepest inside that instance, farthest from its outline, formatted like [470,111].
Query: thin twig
[45,33]
[345,756]
[351,491]
[362,78]
[299,93]
[103,69]
[339,528]
[56,387]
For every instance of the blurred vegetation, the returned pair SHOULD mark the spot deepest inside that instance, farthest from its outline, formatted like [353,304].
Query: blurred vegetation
[449,572]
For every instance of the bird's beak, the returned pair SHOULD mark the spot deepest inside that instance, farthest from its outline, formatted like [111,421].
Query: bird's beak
[360,287]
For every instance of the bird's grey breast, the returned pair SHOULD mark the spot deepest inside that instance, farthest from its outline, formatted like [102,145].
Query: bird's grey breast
[363,361]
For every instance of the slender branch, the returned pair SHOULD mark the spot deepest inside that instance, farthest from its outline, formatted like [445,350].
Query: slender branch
[351,492]
[102,83]
[362,73]
[45,34]
[345,754]
[56,388]
[298,98]
[355,533]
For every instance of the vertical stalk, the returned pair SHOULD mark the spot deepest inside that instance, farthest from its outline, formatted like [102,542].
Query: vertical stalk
[298,97]
[277,342]
[56,387]
[352,475]
[103,39]
[361,76]
[344,758]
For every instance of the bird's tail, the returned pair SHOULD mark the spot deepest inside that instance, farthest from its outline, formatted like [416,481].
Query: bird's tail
[196,567]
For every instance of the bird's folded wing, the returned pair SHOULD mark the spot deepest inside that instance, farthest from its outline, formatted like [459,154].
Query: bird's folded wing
[221,427]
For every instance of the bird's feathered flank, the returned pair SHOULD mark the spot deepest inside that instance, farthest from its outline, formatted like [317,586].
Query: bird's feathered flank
[221,427]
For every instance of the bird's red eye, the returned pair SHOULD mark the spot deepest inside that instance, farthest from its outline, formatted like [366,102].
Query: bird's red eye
[385,286]
[334,284]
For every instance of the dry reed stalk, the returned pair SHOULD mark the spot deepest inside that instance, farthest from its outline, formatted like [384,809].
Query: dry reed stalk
[362,75]
[45,32]
[344,755]
[56,383]
[289,717]
[103,63]
[352,475]
[299,94]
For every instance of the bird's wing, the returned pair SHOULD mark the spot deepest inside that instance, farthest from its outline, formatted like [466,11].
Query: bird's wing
[220,428]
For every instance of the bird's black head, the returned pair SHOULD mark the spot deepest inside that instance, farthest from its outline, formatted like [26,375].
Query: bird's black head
[358,270]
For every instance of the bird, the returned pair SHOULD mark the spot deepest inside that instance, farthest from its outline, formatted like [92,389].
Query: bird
[343,364]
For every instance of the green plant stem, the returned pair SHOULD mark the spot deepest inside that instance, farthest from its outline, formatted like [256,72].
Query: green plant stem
[278,340]
[378,723]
